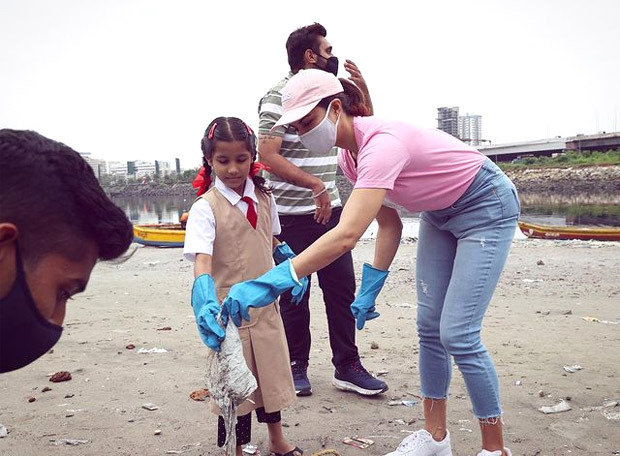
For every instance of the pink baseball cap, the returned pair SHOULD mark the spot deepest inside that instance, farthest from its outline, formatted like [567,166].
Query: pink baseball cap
[304,91]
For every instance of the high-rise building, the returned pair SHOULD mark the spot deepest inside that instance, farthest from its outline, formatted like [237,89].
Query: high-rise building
[470,129]
[448,120]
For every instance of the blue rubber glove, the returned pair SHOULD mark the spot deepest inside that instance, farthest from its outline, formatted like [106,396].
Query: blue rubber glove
[281,253]
[258,292]
[206,308]
[363,307]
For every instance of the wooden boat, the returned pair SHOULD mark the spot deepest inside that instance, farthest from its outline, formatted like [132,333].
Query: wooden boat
[159,235]
[585,233]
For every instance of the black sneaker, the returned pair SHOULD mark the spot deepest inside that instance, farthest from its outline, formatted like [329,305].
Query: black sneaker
[354,377]
[300,378]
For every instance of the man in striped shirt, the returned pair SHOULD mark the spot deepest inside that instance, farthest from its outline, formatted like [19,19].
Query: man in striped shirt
[304,186]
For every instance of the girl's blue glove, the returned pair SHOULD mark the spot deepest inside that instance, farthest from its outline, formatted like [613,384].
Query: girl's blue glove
[206,308]
[281,253]
[363,307]
[258,292]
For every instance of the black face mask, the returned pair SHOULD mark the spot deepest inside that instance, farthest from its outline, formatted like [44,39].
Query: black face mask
[24,334]
[331,64]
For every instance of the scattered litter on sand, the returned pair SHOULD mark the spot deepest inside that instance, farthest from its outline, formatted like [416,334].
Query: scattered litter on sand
[561,406]
[250,449]
[71,442]
[596,320]
[150,407]
[358,442]
[143,350]
[572,369]
[605,410]
[407,403]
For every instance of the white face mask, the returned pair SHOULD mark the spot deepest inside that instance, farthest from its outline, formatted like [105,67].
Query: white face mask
[322,138]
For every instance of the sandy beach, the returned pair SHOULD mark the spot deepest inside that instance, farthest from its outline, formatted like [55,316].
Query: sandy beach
[558,304]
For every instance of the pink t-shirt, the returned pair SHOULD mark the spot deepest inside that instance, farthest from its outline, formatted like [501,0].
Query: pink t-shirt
[422,169]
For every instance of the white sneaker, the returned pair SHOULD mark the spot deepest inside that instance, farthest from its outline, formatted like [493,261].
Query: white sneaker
[494,453]
[421,443]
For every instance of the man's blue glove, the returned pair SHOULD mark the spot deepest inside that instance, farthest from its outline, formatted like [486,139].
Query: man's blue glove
[206,308]
[281,253]
[258,292]
[363,308]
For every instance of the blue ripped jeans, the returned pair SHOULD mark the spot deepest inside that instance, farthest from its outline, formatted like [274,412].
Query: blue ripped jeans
[461,253]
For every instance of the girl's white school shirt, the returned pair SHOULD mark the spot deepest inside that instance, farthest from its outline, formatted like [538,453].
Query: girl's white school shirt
[200,228]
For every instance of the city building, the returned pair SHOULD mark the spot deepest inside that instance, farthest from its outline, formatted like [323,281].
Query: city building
[99,166]
[140,168]
[470,129]
[448,120]
[135,168]
[117,168]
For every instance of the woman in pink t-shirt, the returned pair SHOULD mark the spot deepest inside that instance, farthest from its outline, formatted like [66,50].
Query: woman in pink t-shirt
[469,214]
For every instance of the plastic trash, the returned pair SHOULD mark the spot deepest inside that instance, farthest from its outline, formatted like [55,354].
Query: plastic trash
[561,406]
[229,381]
[71,442]
[358,442]
[250,449]
[598,320]
[406,403]
[572,369]
[146,351]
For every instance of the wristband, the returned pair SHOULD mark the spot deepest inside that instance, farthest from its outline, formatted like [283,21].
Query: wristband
[320,193]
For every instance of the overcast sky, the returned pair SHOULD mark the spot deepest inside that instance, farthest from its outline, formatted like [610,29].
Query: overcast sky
[131,79]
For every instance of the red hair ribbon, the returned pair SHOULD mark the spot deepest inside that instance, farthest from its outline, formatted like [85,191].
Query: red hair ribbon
[201,182]
[256,167]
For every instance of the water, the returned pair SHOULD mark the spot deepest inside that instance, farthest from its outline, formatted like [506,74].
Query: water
[149,210]
[549,209]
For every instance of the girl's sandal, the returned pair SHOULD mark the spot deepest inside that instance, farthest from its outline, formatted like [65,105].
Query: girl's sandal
[294,452]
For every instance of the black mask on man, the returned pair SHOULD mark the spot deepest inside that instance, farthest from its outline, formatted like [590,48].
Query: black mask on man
[331,64]
[24,334]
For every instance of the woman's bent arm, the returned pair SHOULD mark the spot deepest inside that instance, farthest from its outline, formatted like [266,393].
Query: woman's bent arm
[362,207]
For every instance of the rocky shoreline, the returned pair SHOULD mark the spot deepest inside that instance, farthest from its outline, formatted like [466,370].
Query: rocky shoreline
[594,179]
[591,179]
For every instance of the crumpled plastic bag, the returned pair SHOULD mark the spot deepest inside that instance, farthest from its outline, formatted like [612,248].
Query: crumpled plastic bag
[230,381]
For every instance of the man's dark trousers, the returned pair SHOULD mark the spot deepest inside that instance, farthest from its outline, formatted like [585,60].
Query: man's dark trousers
[337,281]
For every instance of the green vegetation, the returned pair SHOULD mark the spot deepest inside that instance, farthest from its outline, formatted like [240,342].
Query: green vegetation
[564,160]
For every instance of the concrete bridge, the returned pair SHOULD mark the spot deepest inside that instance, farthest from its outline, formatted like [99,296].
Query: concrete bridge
[547,147]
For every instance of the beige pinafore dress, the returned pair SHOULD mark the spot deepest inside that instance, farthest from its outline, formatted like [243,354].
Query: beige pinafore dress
[241,253]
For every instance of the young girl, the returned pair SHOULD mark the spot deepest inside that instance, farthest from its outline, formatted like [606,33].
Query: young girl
[229,236]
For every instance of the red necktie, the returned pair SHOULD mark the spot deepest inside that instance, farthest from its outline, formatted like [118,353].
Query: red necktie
[251,211]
